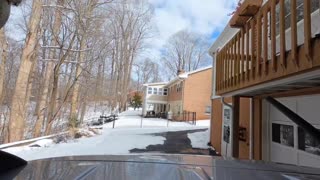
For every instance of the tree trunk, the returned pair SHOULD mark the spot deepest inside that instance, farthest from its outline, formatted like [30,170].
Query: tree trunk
[3,60]
[75,94]
[18,110]
[48,73]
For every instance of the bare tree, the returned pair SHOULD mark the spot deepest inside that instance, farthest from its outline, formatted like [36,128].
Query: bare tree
[18,110]
[185,51]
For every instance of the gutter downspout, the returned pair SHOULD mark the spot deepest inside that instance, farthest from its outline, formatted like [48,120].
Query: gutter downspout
[231,125]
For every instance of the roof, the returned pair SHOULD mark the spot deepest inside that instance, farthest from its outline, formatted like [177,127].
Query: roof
[223,38]
[186,75]
[155,84]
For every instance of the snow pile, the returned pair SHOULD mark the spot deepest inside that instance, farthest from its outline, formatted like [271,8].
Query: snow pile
[199,139]
[42,143]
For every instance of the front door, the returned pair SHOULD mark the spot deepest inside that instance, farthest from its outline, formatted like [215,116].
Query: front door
[226,145]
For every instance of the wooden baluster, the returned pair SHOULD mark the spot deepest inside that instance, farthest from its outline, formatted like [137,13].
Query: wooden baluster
[229,64]
[242,54]
[218,71]
[238,58]
[294,36]
[234,61]
[223,67]
[259,45]
[307,28]
[273,35]
[282,34]
[253,48]
[265,42]
[247,50]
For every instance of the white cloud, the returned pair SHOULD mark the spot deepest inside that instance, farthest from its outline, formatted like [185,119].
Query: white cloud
[201,16]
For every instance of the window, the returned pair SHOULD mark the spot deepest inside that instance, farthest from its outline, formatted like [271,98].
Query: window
[155,91]
[314,6]
[307,143]
[149,90]
[160,92]
[165,91]
[283,134]
[208,110]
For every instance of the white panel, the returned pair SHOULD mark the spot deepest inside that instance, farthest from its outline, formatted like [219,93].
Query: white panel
[283,154]
[308,107]
[307,159]
[276,115]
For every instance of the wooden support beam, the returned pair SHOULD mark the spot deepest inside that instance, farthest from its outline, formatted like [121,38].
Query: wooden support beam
[257,129]
[235,126]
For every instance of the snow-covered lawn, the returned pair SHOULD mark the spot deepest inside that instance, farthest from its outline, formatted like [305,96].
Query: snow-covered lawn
[127,135]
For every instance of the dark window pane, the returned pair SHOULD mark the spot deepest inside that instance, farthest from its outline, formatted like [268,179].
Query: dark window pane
[276,133]
[283,134]
[307,143]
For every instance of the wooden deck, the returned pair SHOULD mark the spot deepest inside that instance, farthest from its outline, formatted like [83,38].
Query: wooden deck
[259,52]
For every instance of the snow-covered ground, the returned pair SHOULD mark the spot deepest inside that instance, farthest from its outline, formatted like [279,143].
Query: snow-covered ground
[127,135]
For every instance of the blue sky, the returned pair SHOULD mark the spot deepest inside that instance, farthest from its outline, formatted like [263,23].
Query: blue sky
[205,17]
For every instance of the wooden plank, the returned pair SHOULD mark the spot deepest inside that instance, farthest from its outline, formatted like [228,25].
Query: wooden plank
[227,66]
[223,67]
[235,126]
[247,50]
[273,36]
[233,61]
[259,45]
[282,34]
[265,42]
[307,28]
[242,55]
[253,37]
[218,71]
[238,58]
[294,35]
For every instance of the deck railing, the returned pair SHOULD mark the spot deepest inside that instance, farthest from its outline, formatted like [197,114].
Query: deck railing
[266,48]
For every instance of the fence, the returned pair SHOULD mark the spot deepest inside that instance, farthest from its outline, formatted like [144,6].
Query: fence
[186,116]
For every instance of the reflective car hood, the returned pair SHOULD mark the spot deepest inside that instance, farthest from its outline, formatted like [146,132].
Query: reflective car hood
[162,167]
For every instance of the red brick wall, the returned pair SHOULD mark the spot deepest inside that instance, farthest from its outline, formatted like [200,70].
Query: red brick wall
[197,93]
[173,94]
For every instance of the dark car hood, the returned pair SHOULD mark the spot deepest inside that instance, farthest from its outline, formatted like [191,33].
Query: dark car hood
[162,167]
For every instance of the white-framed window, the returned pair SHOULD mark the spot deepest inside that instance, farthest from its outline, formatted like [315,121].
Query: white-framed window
[149,90]
[155,91]
[165,91]
[160,92]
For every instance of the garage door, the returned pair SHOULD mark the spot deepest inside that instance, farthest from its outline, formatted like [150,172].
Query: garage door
[287,143]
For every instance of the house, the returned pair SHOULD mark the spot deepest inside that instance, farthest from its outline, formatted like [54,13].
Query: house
[188,94]
[266,85]
[155,97]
